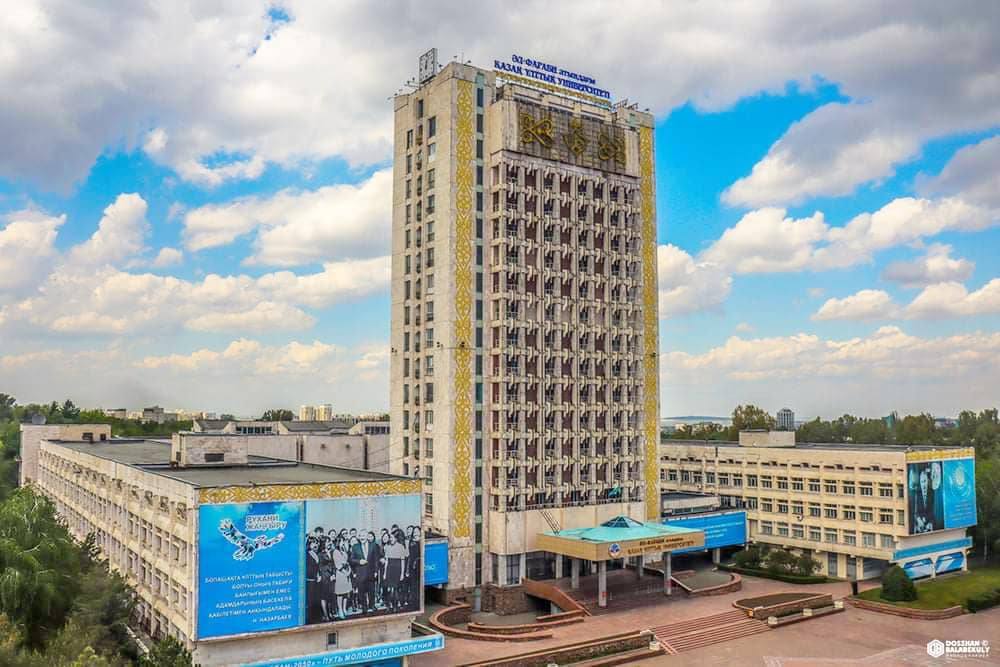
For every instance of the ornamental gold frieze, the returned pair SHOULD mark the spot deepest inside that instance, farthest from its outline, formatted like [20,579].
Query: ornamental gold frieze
[939,454]
[576,139]
[283,492]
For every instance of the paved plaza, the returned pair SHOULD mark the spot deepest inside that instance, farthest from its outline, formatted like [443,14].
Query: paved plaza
[855,637]
[662,611]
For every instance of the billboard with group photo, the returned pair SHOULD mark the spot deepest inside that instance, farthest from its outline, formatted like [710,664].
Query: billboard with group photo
[278,565]
[941,493]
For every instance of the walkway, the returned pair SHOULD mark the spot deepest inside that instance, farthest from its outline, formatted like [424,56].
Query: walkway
[659,611]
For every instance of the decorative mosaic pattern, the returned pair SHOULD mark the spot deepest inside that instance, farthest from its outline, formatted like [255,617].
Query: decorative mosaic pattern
[939,454]
[651,355]
[464,217]
[279,492]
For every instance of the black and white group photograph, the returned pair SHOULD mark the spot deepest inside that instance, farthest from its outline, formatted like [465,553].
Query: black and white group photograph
[360,571]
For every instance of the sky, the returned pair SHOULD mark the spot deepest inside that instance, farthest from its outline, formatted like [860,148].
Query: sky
[195,196]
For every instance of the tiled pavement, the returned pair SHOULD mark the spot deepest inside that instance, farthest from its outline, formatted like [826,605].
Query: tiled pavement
[662,611]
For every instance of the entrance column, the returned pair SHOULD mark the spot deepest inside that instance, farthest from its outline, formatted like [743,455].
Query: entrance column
[602,583]
[559,563]
[574,569]
[667,586]
[717,555]
[640,566]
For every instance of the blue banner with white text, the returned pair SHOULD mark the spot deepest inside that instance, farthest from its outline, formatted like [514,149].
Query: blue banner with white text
[249,568]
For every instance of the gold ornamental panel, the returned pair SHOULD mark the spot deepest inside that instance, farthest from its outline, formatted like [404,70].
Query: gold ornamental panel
[285,492]
[461,523]
[651,352]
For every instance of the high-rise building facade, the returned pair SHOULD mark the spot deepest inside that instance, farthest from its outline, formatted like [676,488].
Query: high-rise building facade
[524,358]
[786,419]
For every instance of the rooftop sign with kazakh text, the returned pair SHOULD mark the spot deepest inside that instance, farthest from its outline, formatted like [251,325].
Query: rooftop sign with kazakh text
[551,77]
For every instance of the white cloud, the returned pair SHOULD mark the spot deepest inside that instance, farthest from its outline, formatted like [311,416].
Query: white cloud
[27,249]
[265,316]
[952,299]
[268,375]
[973,172]
[167,257]
[886,370]
[338,281]
[744,327]
[939,301]
[294,228]
[936,266]
[110,300]
[768,241]
[687,286]
[292,358]
[120,234]
[219,91]
[815,292]
[867,304]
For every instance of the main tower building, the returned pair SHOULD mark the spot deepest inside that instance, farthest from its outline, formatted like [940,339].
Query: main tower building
[524,353]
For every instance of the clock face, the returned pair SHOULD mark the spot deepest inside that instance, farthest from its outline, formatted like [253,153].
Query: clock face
[427,67]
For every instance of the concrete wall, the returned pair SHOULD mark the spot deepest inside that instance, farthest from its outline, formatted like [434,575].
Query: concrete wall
[198,448]
[767,438]
[32,436]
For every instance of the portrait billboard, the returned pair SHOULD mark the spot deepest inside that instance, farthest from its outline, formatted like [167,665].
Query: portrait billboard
[722,529]
[941,494]
[362,557]
[250,568]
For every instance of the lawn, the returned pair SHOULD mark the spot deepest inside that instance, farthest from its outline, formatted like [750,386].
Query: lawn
[946,591]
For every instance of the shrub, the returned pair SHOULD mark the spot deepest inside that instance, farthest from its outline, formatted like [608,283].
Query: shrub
[897,587]
[806,565]
[780,561]
[788,578]
[983,600]
[750,558]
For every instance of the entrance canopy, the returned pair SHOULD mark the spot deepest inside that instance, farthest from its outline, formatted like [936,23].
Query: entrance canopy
[620,537]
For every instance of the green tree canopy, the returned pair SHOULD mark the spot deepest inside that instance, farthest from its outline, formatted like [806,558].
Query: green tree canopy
[748,416]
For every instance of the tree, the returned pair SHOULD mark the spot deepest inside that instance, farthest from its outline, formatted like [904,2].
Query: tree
[38,566]
[916,430]
[7,403]
[896,586]
[69,411]
[167,652]
[988,501]
[277,415]
[748,416]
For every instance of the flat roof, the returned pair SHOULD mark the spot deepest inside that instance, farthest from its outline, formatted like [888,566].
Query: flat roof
[686,495]
[153,456]
[819,446]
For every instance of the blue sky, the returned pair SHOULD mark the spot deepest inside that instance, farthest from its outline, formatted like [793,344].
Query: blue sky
[207,228]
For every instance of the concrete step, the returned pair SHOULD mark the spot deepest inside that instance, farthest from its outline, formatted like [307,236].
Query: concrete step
[692,624]
[718,635]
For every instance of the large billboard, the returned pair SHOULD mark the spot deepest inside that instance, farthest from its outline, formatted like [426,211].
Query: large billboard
[362,557]
[722,529]
[250,568]
[278,565]
[941,494]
